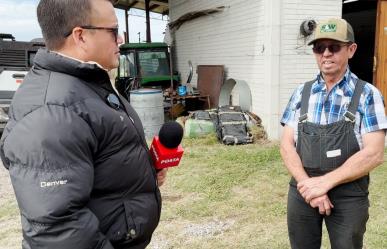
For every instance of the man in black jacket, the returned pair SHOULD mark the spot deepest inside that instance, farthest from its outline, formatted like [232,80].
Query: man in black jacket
[75,150]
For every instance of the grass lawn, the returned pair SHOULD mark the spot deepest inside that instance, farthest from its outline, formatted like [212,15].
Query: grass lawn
[235,197]
[225,197]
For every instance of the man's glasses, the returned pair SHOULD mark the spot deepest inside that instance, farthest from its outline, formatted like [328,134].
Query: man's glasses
[114,31]
[333,48]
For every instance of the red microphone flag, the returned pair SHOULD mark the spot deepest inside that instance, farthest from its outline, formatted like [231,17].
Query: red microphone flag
[164,157]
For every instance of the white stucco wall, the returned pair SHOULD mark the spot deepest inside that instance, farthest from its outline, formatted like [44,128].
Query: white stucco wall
[257,41]
[297,64]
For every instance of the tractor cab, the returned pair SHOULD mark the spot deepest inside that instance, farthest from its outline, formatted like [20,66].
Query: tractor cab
[144,65]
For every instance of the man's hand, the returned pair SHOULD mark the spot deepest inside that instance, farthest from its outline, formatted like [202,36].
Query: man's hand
[313,187]
[161,176]
[323,204]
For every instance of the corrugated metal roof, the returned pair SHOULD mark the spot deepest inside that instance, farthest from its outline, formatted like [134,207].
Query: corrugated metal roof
[159,6]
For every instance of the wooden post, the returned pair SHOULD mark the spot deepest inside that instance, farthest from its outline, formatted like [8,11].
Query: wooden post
[148,29]
[127,26]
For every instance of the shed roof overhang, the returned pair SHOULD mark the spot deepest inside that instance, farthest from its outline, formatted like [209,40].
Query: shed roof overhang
[157,6]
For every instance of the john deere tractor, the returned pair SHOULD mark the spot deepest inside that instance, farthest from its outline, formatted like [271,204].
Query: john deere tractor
[144,65]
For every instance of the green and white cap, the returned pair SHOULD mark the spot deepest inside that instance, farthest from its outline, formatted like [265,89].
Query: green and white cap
[334,28]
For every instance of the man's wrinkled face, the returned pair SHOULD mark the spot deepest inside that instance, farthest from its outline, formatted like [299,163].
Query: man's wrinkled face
[332,56]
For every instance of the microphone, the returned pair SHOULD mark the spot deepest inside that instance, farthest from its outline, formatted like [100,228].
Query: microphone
[165,149]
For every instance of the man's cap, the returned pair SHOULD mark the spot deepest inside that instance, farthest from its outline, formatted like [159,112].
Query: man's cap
[334,28]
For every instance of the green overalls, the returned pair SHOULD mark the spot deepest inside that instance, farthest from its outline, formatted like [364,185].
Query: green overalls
[323,148]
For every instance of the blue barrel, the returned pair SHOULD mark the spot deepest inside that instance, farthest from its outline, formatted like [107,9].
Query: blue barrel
[148,104]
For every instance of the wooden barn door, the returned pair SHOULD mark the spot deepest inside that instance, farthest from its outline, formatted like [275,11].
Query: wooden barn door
[380,59]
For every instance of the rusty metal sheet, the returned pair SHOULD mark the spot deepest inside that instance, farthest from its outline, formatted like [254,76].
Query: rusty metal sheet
[210,81]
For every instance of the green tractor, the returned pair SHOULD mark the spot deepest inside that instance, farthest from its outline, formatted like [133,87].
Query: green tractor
[144,65]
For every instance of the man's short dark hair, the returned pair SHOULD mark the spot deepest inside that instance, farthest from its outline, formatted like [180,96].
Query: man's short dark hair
[58,17]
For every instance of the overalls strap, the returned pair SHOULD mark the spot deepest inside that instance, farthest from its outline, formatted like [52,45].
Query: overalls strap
[305,100]
[352,108]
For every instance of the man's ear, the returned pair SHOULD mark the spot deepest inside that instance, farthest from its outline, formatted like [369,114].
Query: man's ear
[78,37]
[352,49]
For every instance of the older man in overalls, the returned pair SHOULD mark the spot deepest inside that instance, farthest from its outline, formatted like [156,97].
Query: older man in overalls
[333,136]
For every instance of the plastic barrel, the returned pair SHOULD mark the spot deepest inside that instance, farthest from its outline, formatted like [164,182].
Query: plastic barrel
[148,104]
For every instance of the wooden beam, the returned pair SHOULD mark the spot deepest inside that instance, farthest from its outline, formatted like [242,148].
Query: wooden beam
[127,26]
[161,3]
[165,12]
[125,6]
[148,29]
[132,4]
[140,4]
[153,6]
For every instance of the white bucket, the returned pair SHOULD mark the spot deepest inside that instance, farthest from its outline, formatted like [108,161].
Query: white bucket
[148,104]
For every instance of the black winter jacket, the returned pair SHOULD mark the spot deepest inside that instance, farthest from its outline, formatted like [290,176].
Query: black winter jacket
[80,168]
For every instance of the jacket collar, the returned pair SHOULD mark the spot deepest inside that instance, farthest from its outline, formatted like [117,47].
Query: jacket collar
[90,72]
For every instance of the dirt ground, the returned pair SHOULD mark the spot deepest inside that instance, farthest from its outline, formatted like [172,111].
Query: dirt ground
[10,228]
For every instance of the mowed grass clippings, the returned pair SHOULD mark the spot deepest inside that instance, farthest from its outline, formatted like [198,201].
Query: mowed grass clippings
[223,197]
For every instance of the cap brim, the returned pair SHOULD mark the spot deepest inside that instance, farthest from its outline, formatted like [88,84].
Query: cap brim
[326,38]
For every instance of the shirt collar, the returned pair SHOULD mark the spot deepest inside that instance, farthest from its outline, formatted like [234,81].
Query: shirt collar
[88,62]
[346,84]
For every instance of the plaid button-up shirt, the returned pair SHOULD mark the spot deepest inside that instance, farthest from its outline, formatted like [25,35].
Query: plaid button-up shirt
[327,108]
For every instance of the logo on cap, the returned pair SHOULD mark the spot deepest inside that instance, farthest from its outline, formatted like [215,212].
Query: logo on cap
[330,27]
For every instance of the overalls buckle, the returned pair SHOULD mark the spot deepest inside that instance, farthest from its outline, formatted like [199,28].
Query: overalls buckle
[349,116]
[303,118]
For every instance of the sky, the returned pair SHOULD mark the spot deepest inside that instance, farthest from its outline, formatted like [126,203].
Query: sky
[18,17]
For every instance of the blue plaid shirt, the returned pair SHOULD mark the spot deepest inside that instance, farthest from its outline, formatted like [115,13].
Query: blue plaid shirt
[326,108]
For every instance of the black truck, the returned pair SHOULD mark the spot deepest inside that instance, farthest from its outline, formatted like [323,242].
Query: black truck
[16,59]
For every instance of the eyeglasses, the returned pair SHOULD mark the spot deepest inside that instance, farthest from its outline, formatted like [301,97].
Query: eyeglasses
[333,48]
[114,31]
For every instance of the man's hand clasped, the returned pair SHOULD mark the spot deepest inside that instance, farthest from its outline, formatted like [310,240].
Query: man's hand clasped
[314,191]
